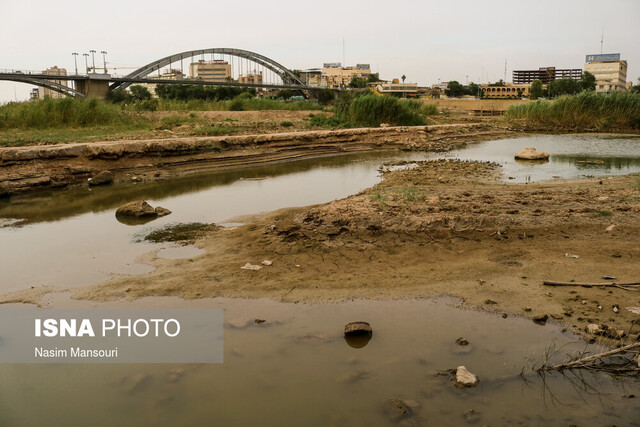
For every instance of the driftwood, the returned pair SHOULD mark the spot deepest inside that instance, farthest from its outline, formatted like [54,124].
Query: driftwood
[596,361]
[624,286]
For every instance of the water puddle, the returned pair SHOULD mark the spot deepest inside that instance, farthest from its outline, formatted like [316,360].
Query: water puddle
[572,156]
[296,369]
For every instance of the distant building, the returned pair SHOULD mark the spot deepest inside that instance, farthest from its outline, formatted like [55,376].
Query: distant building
[312,77]
[509,90]
[217,71]
[335,76]
[34,94]
[255,79]
[441,86]
[546,74]
[609,70]
[53,71]
[401,89]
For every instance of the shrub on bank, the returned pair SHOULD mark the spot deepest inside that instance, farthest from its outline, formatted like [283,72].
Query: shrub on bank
[65,112]
[587,111]
[373,110]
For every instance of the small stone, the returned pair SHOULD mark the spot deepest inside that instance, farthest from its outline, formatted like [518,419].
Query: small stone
[531,153]
[462,341]
[615,334]
[490,301]
[540,319]
[160,211]
[610,228]
[464,378]
[594,329]
[258,321]
[527,309]
[267,262]
[137,209]
[397,409]
[104,177]
[358,329]
[616,308]
[249,266]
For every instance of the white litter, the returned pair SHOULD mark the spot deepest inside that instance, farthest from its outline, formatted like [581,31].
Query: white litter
[568,255]
[249,266]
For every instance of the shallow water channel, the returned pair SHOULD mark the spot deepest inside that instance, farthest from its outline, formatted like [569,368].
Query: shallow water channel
[295,369]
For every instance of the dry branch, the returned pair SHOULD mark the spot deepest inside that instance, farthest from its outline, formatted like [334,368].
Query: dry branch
[589,285]
[587,362]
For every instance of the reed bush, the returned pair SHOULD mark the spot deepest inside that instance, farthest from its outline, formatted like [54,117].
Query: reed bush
[373,110]
[65,112]
[587,111]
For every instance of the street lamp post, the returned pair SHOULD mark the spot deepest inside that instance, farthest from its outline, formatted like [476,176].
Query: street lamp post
[104,59]
[93,59]
[86,61]
[75,60]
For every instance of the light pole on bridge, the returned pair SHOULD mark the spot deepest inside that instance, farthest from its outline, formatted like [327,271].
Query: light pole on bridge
[75,60]
[104,59]
[93,59]
[86,61]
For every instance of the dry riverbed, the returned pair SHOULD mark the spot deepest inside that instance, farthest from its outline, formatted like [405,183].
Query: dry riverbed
[441,228]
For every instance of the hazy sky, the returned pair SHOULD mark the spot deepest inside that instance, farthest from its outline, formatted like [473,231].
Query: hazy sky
[425,40]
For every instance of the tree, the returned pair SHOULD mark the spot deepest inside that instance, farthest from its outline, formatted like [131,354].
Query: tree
[473,89]
[373,77]
[498,83]
[636,88]
[325,96]
[357,82]
[403,78]
[564,87]
[536,90]
[454,89]
[588,81]
[139,93]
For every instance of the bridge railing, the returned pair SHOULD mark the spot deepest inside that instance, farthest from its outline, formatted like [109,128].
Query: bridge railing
[15,71]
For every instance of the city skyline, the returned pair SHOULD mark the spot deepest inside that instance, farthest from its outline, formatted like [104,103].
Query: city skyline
[426,41]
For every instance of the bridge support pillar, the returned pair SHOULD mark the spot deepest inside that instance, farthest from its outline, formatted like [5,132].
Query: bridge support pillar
[93,88]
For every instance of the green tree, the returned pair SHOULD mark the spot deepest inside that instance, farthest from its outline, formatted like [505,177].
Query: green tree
[403,78]
[325,96]
[373,77]
[139,93]
[454,89]
[536,90]
[357,82]
[588,81]
[636,88]
[564,87]
[473,89]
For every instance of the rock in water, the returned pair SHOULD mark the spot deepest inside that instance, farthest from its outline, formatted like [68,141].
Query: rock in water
[104,177]
[136,209]
[358,329]
[397,409]
[531,153]
[160,211]
[465,378]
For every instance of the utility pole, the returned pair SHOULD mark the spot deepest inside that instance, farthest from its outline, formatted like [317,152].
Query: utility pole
[86,61]
[93,59]
[104,60]
[75,60]
[602,40]
[467,76]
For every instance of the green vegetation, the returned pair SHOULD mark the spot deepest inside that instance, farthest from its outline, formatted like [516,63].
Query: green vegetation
[373,110]
[456,89]
[587,111]
[65,112]
[286,124]
[184,234]
[604,213]
[560,87]
[536,90]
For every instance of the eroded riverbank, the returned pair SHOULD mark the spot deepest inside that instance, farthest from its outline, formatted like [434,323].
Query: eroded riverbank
[54,166]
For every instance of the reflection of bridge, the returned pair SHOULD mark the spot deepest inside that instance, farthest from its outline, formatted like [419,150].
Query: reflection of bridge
[272,75]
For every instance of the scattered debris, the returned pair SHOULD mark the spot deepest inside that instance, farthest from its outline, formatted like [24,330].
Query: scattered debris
[626,286]
[624,363]
[568,255]
[594,329]
[249,266]
[610,228]
[258,321]
[634,310]
[608,278]
[267,262]
[462,341]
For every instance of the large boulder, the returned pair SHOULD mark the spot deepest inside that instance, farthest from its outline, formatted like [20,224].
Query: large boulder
[137,209]
[531,153]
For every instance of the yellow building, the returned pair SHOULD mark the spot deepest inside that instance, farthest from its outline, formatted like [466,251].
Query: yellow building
[609,70]
[217,71]
[255,79]
[395,88]
[510,90]
[334,75]
[53,71]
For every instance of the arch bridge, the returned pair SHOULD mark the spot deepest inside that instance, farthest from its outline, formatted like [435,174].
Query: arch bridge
[245,69]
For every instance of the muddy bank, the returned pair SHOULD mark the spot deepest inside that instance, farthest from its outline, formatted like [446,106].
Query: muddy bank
[443,228]
[36,167]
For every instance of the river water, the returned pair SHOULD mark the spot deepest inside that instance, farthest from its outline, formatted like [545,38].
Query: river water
[295,369]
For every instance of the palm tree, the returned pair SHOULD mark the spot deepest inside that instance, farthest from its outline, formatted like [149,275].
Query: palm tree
[403,78]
